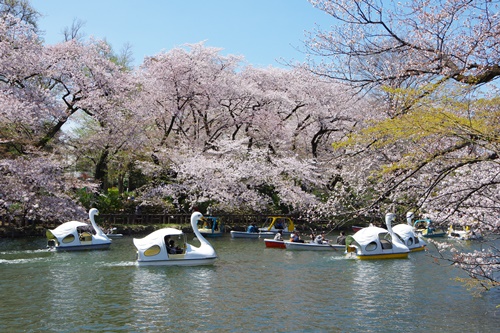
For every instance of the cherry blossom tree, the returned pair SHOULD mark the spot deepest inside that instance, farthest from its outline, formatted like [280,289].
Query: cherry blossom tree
[20,9]
[374,42]
[44,87]
[38,189]
[431,144]
[200,109]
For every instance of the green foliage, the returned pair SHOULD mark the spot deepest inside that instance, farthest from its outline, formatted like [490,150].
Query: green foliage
[85,197]
[16,207]
[477,286]
[446,115]
[270,191]
[111,202]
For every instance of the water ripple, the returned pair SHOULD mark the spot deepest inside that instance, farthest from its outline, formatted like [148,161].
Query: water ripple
[250,288]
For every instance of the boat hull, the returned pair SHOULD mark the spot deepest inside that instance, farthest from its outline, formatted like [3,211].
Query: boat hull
[83,247]
[435,235]
[244,234]
[417,249]
[114,235]
[275,244]
[178,262]
[313,247]
[211,234]
[383,256]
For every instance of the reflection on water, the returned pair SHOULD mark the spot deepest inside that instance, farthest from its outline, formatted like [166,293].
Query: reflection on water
[250,288]
[171,295]
[382,291]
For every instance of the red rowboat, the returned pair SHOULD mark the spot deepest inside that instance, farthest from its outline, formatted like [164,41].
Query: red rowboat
[356,228]
[274,243]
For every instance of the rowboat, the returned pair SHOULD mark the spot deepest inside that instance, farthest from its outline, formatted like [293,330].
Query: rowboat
[249,234]
[356,228]
[279,244]
[313,246]
[112,233]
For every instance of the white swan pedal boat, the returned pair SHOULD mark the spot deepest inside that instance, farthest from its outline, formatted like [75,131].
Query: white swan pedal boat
[373,243]
[408,235]
[153,250]
[76,236]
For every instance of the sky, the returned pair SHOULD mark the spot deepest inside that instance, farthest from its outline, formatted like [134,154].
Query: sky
[264,32]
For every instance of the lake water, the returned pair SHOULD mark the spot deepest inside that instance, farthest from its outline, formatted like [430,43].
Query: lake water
[251,288]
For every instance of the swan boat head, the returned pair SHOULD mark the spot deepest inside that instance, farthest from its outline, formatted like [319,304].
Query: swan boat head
[99,236]
[205,250]
[409,218]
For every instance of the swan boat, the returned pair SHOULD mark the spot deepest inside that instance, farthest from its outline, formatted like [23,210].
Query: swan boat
[154,250]
[313,246]
[408,236]
[377,243]
[75,235]
[212,227]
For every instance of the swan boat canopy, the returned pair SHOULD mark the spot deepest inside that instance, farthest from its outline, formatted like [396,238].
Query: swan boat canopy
[377,243]
[408,236]
[75,235]
[154,249]
[212,227]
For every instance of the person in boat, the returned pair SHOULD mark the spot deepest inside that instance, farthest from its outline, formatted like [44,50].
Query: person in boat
[253,228]
[321,239]
[172,249]
[341,238]
[279,235]
[296,238]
